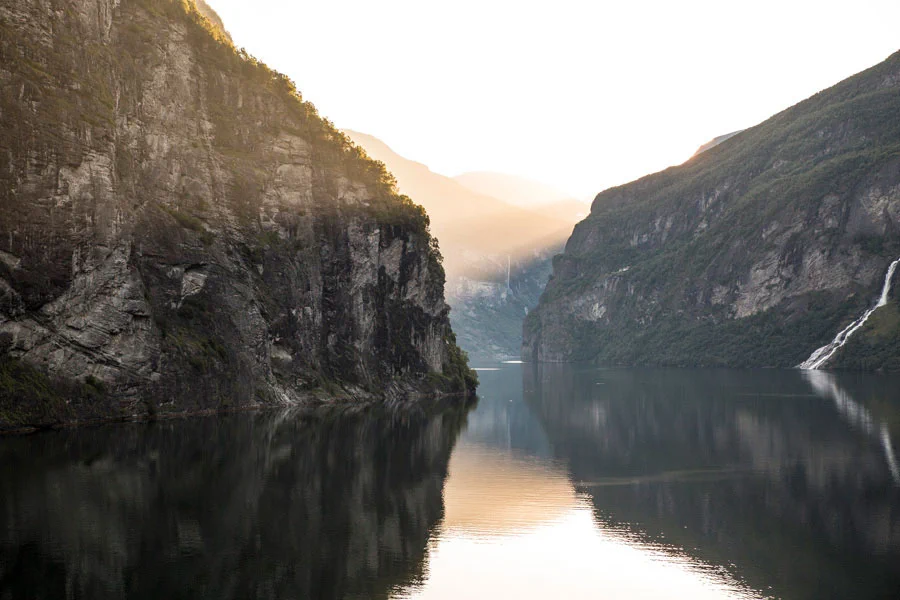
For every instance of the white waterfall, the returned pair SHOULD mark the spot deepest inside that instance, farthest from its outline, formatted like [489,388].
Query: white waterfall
[821,356]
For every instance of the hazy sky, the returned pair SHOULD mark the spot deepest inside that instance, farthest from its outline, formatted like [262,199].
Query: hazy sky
[582,95]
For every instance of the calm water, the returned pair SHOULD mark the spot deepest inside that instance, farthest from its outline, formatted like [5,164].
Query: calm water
[561,483]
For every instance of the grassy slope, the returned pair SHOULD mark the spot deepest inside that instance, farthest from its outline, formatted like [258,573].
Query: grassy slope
[877,345]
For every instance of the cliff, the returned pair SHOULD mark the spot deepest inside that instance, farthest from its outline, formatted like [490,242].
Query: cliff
[470,224]
[486,240]
[180,231]
[753,253]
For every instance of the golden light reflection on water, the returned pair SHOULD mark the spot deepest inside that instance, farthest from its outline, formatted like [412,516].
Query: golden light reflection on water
[515,527]
[490,493]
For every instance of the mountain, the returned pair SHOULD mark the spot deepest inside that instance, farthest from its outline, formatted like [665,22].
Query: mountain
[181,232]
[497,255]
[464,220]
[753,253]
[569,210]
[213,17]
[716,141]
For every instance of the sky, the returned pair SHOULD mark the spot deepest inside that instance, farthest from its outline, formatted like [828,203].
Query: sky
[577,94]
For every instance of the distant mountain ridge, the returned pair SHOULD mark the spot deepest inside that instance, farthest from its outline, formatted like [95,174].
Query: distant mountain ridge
[462,218]
[525,193]
[716,141]
[754,252]
[484,240]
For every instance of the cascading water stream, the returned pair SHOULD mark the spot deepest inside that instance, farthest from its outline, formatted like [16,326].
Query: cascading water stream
[823,354]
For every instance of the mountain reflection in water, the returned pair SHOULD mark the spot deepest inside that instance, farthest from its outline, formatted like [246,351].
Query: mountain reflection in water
[265,505]
[563,482]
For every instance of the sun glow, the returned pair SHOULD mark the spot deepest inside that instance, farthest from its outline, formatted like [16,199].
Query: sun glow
[515,527]
[581,95]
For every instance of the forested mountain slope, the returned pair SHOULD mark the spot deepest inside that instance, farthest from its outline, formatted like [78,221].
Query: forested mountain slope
[753,253]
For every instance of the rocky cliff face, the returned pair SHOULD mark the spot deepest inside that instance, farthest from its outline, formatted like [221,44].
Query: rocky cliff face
[753,253]
[487,240]
[487,314]
[180,230]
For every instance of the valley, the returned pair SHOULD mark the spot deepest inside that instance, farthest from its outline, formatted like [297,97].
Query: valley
[498,235]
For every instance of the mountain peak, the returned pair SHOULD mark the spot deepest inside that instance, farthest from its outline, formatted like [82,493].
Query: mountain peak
[715,142]
[213,17]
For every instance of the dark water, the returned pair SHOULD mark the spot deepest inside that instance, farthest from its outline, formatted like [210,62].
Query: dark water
[563,482]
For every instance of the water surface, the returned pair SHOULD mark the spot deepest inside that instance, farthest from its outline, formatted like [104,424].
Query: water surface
[563,482]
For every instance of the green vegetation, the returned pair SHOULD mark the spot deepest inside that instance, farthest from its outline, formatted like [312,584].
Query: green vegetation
[94,384]
[762,340]
[877,345]
[28,398]
[331,147]
[191,333]
[774,195]
[456,368]
[202,352]
[268,238]
[192,223]
[64,104]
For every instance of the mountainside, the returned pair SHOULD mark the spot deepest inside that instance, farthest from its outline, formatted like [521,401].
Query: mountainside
[487,312]
[497,255]
[753,253]
[716,141]
[179,231]
[465,220]
[213,17]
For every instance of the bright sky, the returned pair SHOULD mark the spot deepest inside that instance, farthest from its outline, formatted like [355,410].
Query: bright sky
[578,94]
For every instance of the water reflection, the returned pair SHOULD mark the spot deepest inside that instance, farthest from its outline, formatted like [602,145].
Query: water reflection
[858,415]
[754,472]
[498,494]
[516,526]
[565,482]
[244,506]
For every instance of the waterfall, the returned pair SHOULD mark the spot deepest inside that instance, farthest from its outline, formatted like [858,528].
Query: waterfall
[823,354]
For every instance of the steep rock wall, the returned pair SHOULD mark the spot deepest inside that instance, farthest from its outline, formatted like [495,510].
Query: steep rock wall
[182,231]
